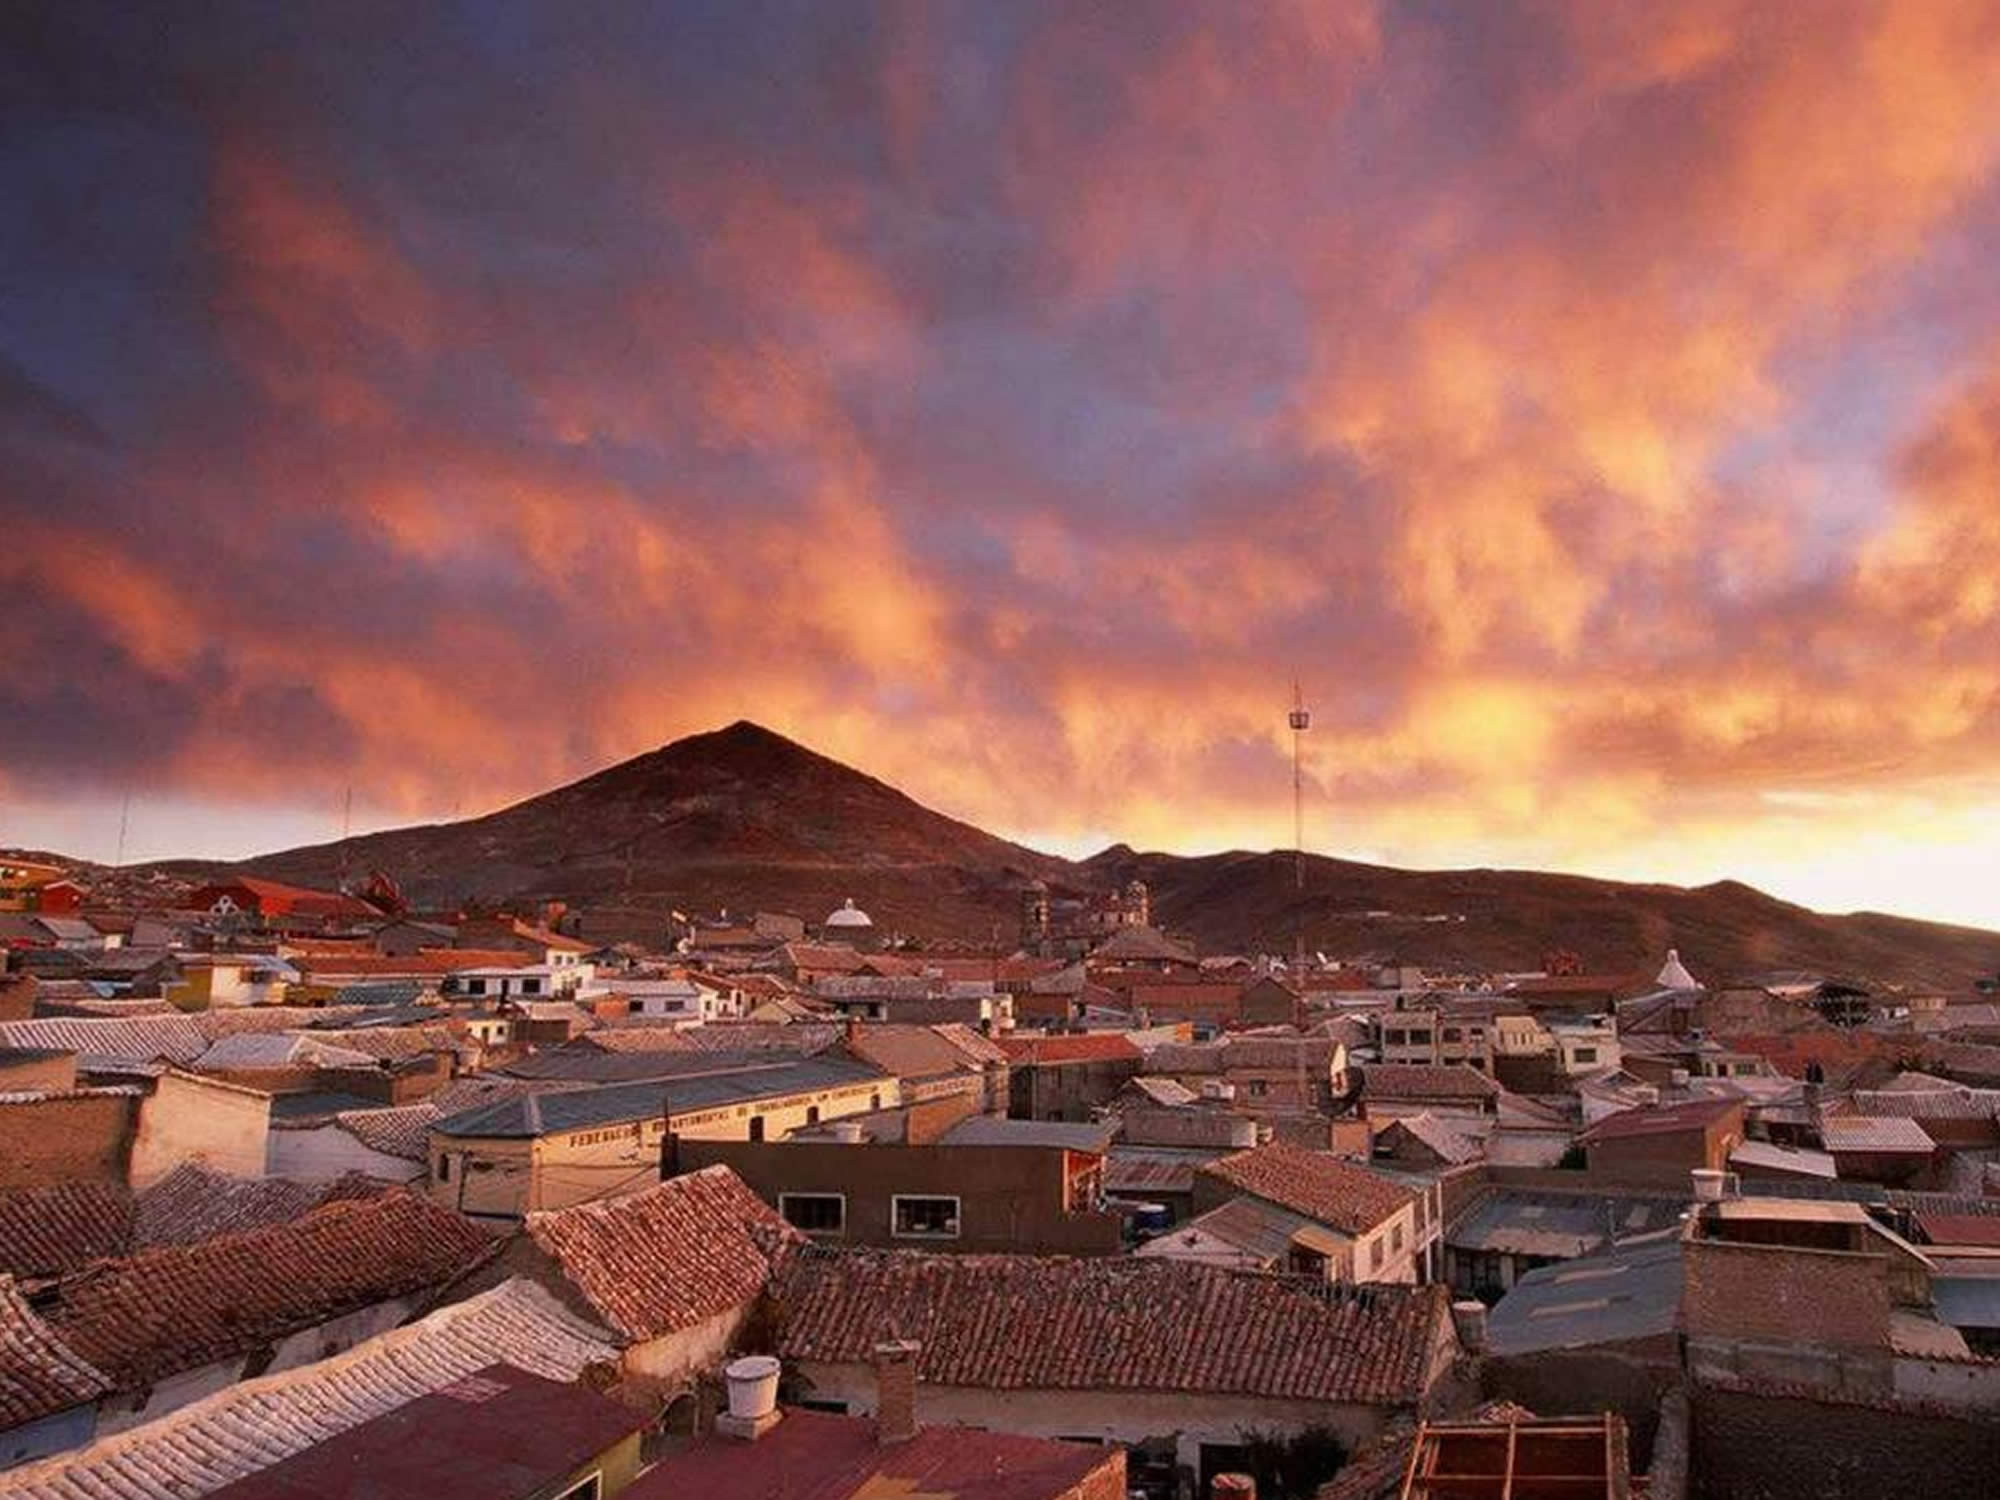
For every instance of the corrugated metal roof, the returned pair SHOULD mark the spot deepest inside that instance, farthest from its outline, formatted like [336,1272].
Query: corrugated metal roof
[988,1130]
[582,1109]
[1631,1293]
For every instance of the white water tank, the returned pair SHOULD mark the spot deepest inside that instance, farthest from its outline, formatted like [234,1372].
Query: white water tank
[848,1132]
[753,1386]
[1707,1185]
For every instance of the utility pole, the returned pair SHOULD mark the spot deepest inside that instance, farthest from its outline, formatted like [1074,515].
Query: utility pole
[1300,720]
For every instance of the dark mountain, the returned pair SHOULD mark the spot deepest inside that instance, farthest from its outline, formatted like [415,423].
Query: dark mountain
[740,817]
[747,819]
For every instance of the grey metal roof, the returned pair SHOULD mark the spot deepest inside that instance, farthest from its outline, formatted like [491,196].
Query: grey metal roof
[1632,1292]
[531,1115]
[1565,1225]
[1967,1301]
[988,1130]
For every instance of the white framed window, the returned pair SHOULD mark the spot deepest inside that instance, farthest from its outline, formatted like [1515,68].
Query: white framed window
[922,1217]
[815,1213]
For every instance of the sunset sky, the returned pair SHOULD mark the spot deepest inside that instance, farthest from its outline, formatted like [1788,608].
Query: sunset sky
[1596,407]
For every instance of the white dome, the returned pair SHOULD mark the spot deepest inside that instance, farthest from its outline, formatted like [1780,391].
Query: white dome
[1674,974]
[849,915]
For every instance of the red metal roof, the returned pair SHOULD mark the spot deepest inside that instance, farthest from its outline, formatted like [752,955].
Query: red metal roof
[497,1434]
[814,1455]
[1696,1114]
[1104,1047]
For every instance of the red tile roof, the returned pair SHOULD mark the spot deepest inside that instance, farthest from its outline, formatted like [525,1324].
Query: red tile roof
[813,1455]
[677,1254]
[1317,1184]
[1102,1047]
[192,1203]
[1017,1322]
[52,1231]
[38,1373]
[164,1311]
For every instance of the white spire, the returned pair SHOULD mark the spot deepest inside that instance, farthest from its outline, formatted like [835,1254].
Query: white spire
[1674,974]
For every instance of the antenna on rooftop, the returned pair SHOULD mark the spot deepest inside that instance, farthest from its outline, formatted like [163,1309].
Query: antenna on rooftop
[124,822]
[1300,719]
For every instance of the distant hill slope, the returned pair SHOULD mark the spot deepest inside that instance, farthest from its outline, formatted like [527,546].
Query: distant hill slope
[1510,918]
[745,818]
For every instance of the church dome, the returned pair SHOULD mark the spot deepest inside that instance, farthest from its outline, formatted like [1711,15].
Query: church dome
[1674,974]
[849,915]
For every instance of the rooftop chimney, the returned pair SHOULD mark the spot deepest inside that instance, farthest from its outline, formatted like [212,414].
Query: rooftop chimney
[896,1391]
[1469,1318]
[853,1032]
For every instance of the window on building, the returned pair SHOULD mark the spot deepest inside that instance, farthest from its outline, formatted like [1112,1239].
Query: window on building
[1395,1038]
[1451,1034]
[756,1127]
[815,1213]
[475,986]
[1586,1054]
[812,1114]
[1420,1038]
[924,1218]
[1375,1253]
[1396,1238]
[444,1169]
[1259,1086]
[531,986]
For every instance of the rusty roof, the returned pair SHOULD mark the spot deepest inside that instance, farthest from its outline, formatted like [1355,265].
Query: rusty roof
[1317,1184]
[167,1310]
[1018,1322]
[1695,1114]
[654,1262]
[812,1455]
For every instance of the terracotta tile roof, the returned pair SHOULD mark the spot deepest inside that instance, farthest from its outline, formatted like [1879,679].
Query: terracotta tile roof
[814,1455]
[403,1130]
[1142,944]
[164,1311]
[199,1448]
[636,1039]
[1446,1144]
[52,1231]
[1098,1047]
[757,1036]
[1864,1133]
[39,1374]
[677,1254]
[910,1051]
[1425,1081]
[1017,1322]
[192,1203]
[177,1038]
[1317,1184]
[1952,1102]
